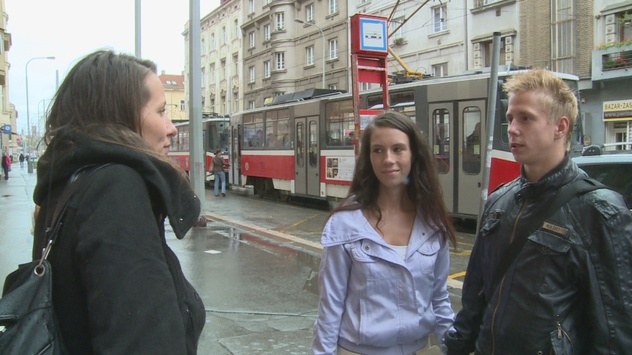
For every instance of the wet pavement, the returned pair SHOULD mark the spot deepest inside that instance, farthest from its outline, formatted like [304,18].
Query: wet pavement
[255,265]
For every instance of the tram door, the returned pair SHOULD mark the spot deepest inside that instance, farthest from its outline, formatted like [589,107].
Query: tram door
[306,153]
[442,145]
[471,146]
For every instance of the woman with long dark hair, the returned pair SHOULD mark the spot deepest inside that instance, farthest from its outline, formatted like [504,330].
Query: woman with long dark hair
[117,287]
[384,268]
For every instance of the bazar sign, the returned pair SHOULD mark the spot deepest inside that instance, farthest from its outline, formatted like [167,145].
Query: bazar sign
[617,110]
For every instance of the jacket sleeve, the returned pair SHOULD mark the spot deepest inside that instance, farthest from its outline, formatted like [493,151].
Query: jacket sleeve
[444,315]
[462,339]
[608,273]
[335,265]
[131,297]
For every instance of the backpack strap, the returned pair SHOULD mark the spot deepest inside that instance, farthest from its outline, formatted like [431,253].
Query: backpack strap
[566,193]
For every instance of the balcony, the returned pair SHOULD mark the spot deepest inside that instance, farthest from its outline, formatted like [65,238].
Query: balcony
[612,61]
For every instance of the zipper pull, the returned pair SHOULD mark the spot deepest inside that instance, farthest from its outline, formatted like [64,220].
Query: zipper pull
[559,330]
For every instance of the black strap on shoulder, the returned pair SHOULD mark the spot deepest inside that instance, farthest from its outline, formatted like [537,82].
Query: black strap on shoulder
[567,192]
[76,181]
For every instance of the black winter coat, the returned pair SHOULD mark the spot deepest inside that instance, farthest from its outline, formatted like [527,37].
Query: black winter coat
[117,287]
[569,290]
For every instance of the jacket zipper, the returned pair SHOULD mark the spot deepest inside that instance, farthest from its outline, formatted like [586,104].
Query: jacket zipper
[502,281]
[561,333]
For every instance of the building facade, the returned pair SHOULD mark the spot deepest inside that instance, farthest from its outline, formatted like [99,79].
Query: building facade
[220,49]
[254,50]
[10,140]
[607,96]
[174,95]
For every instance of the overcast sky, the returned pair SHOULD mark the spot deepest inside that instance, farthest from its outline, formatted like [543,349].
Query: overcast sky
[70,29]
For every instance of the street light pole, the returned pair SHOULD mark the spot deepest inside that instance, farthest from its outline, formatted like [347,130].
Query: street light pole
[27,144]
[322,34]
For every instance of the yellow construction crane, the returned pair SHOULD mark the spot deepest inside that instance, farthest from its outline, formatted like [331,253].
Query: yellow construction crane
[406,75]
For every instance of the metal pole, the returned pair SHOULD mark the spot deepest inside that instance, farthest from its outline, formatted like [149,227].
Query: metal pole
[492,92]
[322,34]
[27,143]
[137,28]
[197,167]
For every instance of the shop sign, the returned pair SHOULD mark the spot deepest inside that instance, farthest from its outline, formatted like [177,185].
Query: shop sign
[620,110]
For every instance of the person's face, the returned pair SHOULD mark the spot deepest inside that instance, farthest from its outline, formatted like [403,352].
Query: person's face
[156,127]
[535,142]
[390,156]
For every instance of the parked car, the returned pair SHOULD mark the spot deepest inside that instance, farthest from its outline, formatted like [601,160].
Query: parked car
[612,168]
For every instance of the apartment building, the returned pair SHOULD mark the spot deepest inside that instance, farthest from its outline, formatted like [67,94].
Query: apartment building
[253,50]
[220,49]
[607,96]
[174,94]
[294,45]
[9,138]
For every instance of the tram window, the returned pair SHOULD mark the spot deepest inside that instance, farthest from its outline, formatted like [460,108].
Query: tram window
[300,149]
[441,139]
[339,122]
[253,130]
[313,144]
[472,140]
[277,129]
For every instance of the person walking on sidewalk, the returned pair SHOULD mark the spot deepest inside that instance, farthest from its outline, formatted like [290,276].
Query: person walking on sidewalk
[566,289]
[22,160]
[6,165]
[117,286]
[218,170]
[385,261]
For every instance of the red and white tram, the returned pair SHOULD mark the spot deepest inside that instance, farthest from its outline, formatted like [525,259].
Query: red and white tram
[215,135]
[303,148]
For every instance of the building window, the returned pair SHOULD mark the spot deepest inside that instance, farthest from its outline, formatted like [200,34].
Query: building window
[333,6]
[251,39]
[251,104]
[212,44]
[236,29]
[439,70]
[211,73]
[563,43]
[182,105]
[280,60]
[440,18]
[279,19]
[266,32]
[223,38]
[395,24]
[488,51]
[332,87]
[266,69]
[251,6]
[251,73]
[309,13]
[623,25]
[333,48]
[309,55]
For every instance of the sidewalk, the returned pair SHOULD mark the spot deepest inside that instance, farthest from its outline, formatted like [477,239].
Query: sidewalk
[16,219]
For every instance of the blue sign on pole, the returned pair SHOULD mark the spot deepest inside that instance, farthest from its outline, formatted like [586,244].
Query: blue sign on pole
[6,129]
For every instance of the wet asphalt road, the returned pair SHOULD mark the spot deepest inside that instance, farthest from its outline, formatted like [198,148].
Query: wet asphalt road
[254,264]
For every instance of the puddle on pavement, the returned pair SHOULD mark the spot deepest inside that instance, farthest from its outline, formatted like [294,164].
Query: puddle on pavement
[304,257]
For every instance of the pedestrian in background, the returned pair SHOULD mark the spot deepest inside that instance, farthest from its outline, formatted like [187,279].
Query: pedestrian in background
[22,160]
[218,170]
[6,165]
[117,286]
[568,289]
[385,262]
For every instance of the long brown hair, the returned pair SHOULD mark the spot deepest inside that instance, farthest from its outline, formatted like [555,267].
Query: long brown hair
[423,184]
[102,98]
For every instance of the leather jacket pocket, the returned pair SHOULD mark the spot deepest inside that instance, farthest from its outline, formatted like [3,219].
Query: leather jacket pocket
[560,341]
[549,243]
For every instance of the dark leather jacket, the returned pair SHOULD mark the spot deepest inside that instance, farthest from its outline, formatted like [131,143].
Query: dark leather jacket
[569,290]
